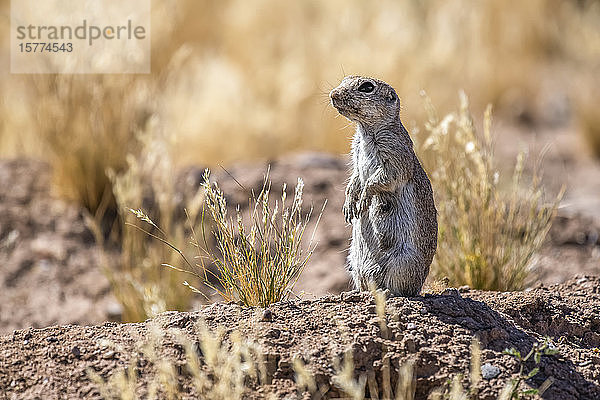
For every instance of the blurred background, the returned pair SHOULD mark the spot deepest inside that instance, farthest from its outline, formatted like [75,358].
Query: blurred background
[239,80]
[243,81]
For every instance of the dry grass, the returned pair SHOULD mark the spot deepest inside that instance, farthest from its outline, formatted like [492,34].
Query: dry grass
[236,80]
[231,366]
[292,54]
[356,387]
[87,125]
[218,369]
[589,120]
[256,262]
[139,282]
[487,234]
[255,75]
[260,261]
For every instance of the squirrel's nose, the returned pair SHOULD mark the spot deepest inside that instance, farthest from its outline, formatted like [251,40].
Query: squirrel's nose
[334,94]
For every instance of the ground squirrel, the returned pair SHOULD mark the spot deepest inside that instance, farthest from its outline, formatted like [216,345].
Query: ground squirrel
[389,199]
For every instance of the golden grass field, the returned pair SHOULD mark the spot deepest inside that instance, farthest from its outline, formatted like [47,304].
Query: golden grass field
[239,80]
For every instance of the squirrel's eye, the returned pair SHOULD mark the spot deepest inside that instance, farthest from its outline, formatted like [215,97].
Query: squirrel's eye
[366,87]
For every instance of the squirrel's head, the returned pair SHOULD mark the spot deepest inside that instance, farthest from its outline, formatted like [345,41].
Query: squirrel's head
[366,100]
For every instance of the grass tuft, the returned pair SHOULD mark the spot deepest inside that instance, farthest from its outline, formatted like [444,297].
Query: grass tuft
[488,235]
[87,125]
[138,281]
[589,123]
[258,262]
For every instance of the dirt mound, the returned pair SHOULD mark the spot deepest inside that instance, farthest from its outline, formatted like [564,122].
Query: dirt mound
[435,331]
[570,311]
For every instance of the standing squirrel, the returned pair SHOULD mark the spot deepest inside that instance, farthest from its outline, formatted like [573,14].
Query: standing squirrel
[389,199]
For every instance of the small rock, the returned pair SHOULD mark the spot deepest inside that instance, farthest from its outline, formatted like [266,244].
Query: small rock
[410,345]
[44,265]
[267,315]
[52,339]
[464,288]
[11,239]
[580,238]
[489,371]
[75,351]
[581,280]
[411,326]
[108,355]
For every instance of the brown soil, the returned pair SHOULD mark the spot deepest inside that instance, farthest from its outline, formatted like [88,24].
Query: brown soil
[49,266]
[436,331]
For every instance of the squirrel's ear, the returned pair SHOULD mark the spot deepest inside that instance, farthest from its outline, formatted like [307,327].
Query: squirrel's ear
[391,97]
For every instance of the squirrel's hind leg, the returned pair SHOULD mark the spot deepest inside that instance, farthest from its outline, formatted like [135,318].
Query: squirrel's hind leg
[405,273]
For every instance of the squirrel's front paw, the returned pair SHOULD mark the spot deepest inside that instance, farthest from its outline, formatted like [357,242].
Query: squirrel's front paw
[350,211]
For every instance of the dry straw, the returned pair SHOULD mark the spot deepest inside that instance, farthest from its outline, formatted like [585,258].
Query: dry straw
[260,261]
[217,368]
[488,234]
[257,261]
